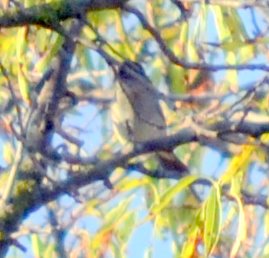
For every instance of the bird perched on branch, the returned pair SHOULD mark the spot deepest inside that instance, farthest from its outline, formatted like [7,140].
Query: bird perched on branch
[138,117]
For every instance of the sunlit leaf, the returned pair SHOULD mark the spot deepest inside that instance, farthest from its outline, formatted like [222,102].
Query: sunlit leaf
[37,245]
[128,184]
[8,152]
[189,247]
[193,236]
[23,85]
[46,61]
[167,197]
[237,164]
[220,23]
[113,217]
[170,33]
[241,229]
[212,223]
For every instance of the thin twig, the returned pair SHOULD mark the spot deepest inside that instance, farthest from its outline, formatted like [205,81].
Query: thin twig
[188,65]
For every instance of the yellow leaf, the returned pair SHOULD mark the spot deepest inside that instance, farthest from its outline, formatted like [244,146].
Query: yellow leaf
[189,247]
[193,236]
[128,184]
[21,43]
[92,209]
[237,164]
[247,52]
[220,23]
[170,33]
[8,153]
[21,47]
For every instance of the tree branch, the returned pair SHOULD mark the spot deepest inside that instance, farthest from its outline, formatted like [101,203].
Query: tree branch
[231,3]
[174,59]
[35,197]
[48,15]
[44,112]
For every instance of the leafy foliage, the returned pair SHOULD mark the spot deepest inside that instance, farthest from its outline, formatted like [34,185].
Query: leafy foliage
[96,199]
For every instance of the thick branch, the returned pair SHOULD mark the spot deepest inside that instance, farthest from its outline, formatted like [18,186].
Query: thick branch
[38,196]
[44,112]
[103,169]
[50,14]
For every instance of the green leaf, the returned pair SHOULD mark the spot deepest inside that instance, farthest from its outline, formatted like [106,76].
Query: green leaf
[21,43]
[242,227]
[37,245]
[212,220]
[23,84]
[177,79]
[127,226]
[21,48]
[46,60]
[114,216]
[167,197]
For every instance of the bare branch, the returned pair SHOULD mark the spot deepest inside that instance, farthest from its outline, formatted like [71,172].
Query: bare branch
[174,59]
[252,199]
[232,3]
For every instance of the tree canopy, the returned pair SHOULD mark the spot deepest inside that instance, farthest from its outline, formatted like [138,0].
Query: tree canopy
[70,188]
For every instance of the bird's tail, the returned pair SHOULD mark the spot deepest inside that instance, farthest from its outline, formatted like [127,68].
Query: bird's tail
[174,168]
[170,162]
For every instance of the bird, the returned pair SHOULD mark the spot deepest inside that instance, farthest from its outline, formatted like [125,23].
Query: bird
[138,117]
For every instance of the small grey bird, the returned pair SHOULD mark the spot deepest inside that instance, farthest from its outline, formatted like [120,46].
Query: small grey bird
[137,114]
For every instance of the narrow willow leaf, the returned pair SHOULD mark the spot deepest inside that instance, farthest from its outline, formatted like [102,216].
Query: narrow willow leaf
[167,197]
[189,247]
[37,245]
[46,60]
[212,223]
[237,163]
[23,85]
[242,228]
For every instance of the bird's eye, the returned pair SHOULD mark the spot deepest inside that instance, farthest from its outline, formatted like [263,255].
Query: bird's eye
[128,67]
[137,68]
[49,126]
[123,73]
